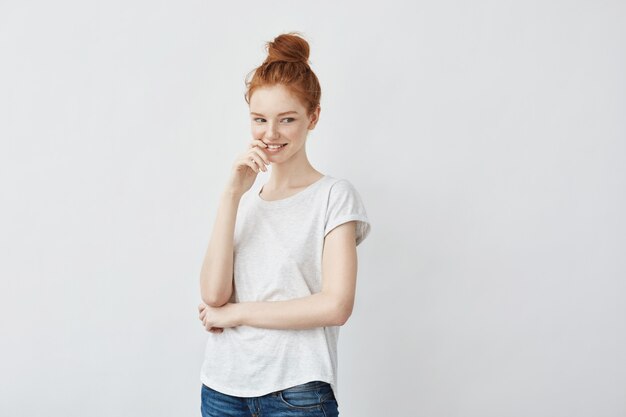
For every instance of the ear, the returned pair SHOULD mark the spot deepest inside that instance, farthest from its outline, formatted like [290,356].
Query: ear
[314,118]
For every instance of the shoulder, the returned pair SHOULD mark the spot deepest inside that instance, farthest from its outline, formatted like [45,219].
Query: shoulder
[341,189]
[344,205]
[338,186]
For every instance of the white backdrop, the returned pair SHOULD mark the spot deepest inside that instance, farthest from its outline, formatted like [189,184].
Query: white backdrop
[486,138]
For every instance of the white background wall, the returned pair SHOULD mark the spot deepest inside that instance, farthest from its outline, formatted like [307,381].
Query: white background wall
[486,138]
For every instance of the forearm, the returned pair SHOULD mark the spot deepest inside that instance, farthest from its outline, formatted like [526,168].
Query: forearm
[216,275]
[316,310]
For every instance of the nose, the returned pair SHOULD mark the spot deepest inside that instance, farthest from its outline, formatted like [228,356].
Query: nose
[271,132]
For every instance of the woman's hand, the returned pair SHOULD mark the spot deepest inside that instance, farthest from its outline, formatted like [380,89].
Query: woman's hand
[215,319]
[247,166]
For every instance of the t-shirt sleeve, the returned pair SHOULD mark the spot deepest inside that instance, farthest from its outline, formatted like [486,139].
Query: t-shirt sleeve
[344,205]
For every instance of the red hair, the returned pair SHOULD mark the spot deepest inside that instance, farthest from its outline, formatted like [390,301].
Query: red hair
[287,64]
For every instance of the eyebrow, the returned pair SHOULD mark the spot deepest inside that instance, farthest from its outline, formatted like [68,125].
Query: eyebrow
[280,114]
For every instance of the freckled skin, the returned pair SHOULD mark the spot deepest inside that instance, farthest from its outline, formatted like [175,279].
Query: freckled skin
[290,128]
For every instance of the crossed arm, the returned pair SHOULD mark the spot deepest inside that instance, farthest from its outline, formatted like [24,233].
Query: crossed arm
[332,306]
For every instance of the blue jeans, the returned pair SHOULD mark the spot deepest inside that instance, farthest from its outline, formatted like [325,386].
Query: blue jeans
[312,399]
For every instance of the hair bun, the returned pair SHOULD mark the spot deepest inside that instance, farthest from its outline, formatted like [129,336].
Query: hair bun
[287,64]
[288,47]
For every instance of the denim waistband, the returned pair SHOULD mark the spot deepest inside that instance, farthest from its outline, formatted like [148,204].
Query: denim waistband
[308,386]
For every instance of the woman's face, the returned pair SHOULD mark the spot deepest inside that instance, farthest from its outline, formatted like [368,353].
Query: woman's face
[279,118]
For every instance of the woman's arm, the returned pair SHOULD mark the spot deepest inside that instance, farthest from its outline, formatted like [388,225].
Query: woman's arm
[216,275]
[332,306]
[316,310]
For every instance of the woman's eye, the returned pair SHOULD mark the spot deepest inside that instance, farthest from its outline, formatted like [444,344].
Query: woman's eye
[261,120]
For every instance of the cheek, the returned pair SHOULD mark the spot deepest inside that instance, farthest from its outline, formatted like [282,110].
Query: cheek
[294,131]
[257,131]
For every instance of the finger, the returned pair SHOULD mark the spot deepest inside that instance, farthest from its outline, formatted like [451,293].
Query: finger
[251,162]
[211,328]
[262,154]
[254,165]
[201,307]
[207,324]
[248,159]
[258,160]
[257,142]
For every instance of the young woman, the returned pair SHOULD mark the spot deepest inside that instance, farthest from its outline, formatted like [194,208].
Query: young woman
[279,275]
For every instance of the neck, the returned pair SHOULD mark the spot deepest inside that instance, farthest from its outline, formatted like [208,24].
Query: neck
[292,173]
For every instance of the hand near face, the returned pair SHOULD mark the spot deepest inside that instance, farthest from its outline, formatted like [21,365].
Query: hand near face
[246,167]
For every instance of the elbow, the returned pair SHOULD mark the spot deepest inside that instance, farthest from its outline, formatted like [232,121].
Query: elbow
[340,309]
[341,316]
[215,298]
[214,301]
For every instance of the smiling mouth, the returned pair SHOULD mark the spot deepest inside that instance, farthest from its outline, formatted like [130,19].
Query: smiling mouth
[275,146]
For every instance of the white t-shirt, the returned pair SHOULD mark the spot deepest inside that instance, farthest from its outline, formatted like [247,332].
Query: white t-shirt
[278,256]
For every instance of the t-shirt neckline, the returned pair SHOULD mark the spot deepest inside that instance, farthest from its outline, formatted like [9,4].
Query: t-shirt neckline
[291,197]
